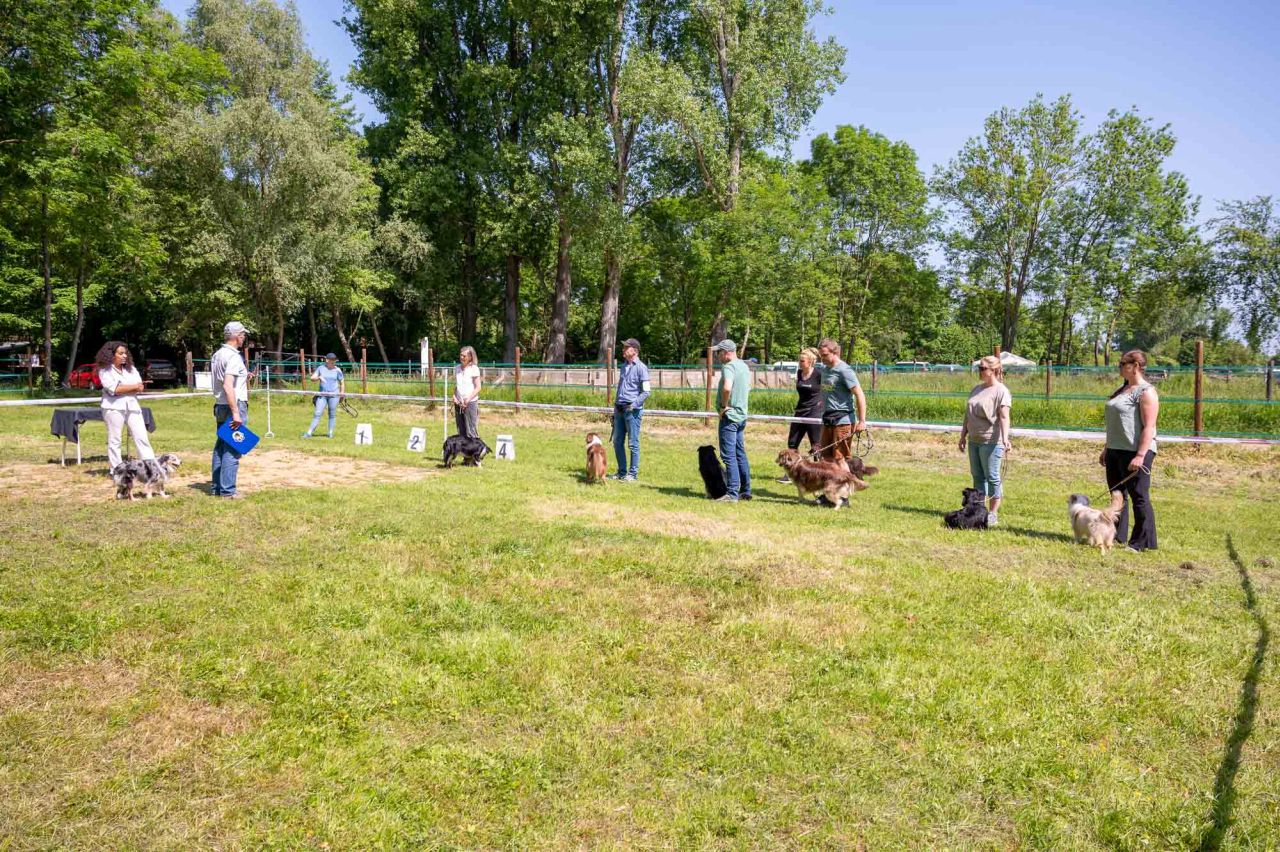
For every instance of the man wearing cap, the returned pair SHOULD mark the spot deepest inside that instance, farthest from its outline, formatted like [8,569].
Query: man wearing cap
[735,387]
[633,390]
[230,402]
[334,384]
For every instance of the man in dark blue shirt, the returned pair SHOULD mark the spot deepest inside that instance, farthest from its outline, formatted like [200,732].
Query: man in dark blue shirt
[633,390]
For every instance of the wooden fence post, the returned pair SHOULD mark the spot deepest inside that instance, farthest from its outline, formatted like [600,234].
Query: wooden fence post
[364,370]
[995,350]
[302,367]
[1271,367]
[191,372]
[517,378]
[30,380]
[875,374]
[1048,377]
[1199,409]
[431,374]
[707,391]
[608,378]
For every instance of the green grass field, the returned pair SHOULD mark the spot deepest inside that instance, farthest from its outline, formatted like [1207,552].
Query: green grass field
[370,652]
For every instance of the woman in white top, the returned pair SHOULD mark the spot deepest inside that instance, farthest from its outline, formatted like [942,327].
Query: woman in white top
[466,390]
[986,431]
[121,385]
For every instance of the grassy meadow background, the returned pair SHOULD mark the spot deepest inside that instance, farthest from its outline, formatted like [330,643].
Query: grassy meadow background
[407,657]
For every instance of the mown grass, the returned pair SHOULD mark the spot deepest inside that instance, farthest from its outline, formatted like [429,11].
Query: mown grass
[507,657]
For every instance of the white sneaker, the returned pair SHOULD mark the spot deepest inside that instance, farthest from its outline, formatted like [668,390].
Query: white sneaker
[993,520]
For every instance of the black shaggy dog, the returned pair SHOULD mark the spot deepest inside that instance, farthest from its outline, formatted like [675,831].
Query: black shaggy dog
[972,515]
[712,472]
[472,450]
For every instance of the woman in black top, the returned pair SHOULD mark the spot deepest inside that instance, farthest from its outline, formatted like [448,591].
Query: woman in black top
[809,404]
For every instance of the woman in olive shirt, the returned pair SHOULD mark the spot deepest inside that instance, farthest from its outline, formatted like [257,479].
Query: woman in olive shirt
[986,432]
[1130,452]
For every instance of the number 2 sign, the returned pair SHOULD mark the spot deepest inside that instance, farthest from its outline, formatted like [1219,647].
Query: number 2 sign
[417,440]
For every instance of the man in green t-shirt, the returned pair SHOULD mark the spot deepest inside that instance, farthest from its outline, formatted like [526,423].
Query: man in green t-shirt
[731,396]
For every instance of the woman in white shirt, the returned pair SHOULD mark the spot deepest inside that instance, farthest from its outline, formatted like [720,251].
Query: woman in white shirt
[466,390]
[121,385]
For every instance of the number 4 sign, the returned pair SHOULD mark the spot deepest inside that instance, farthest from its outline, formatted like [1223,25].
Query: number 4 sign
[364,433]
[417,440]
[506,448]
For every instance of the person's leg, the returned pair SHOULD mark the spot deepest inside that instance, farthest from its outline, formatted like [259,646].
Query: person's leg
[315,418]
[827,440]
[231,458]
[220,415]
[975,468]
[842,446]
[815,435]
[991,467]
[795,434]
[633,436]
[138,429]
[729,455]
[1117,468]
[1144,517]
[332,403]
[460,419]
[744,467]
[115,427]
[620,443]
[473,419]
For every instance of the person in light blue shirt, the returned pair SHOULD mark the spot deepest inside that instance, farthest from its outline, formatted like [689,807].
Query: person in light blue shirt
[633,390]
[333,384]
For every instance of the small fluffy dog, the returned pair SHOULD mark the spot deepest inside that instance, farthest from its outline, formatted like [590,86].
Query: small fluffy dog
[151,474]
[972,514]
[833,480]
[596,462]
[1095,527]
[712,472]
[472,450]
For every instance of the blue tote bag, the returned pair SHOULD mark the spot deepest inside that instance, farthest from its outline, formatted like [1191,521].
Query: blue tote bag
[241,439]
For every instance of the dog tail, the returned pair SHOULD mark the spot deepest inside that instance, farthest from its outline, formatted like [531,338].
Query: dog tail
[869,470]
[1112,515]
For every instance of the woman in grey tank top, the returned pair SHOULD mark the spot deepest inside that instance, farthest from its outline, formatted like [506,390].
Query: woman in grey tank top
[1130,453]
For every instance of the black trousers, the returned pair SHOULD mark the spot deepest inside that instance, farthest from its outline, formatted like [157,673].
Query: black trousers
[799,430]
[1138,492]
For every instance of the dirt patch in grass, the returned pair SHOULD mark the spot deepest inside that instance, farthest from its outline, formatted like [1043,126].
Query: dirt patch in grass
[263,471]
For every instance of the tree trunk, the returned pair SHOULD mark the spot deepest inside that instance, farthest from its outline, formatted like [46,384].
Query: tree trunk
[556,341]
[48,290]
[342,335]
[75,335]
[377,338]
[467,333]
[511,319]
[1064,331]
[609,305]
[1106,341]
[279,329]
[311,322]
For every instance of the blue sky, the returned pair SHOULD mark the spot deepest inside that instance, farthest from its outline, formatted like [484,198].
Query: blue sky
[930,72]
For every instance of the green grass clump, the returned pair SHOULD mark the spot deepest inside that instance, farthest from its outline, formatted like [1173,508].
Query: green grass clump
[509,657]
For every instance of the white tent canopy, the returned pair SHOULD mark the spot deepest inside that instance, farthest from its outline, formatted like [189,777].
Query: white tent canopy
[1008,359]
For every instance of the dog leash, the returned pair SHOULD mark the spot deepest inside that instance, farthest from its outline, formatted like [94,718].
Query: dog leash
[1142,468]
[863,445]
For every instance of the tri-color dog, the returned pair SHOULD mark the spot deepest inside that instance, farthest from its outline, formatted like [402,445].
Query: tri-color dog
[151,474]
[597,463]
[833,480]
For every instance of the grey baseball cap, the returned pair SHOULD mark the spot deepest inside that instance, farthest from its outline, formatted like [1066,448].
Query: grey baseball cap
[726,345]
[234,327]
[331,356]
[632,343]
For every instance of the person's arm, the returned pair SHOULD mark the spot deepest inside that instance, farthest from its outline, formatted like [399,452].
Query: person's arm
[964,428]
[645,388]
[1149,405]
[229,388]
[342,384]
[860,402]
[1004,428]
[726,387]
[315,377]
[475,388]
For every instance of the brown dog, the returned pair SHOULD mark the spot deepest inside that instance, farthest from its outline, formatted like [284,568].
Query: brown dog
[831,479]
[1095,527]
[596,461]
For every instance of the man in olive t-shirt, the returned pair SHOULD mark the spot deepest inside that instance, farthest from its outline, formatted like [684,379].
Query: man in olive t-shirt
[732,394]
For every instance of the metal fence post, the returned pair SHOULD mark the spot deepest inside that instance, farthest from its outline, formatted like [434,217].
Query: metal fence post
[302,367]
[1199,409]
[1048,377]
[30,379]
[517,378]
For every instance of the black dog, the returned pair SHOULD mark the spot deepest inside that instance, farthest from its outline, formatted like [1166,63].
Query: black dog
[472,450]
[972,515]
[712,472]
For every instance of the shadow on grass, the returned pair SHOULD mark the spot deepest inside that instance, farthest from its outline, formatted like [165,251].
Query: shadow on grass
[684,491]
[1022,531]
[1224,783]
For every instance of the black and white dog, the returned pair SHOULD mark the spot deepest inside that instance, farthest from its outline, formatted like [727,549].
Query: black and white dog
[151,474]
[472,450]
[972,515]
[712,472]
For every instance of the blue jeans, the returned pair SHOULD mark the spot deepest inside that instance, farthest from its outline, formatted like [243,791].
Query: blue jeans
[323,402]
[984,465]
[226,461]
[626,427]
[737,472]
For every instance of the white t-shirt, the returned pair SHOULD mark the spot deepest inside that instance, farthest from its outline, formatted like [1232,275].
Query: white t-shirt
[112,377]
[227,362]
[464,379]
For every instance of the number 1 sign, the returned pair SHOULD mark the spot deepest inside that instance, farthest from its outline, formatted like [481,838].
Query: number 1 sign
[364,434]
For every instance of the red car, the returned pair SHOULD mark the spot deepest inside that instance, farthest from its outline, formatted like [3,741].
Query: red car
[85,376]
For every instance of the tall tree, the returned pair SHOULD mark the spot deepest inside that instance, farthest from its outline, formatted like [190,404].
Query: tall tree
[1246,241]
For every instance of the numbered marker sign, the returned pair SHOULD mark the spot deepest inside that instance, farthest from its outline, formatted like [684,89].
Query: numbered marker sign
[506,448]
[417,440]
[364,433]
